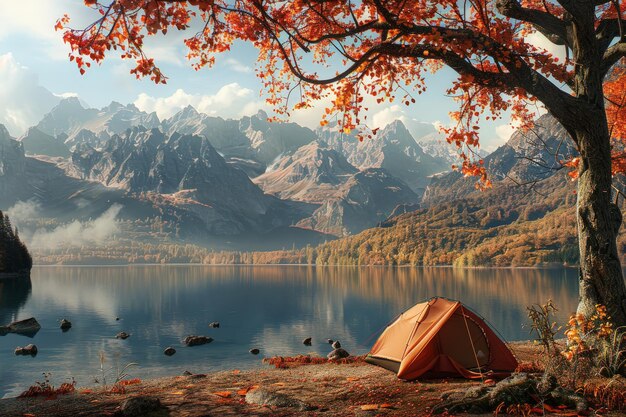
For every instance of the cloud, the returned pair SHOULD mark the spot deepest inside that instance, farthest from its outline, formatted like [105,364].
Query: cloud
[540,41]
[237,66]
[24,101]
[504,132]
[78,233]
[230,101]
[387,115]
[35,19]
[24,211]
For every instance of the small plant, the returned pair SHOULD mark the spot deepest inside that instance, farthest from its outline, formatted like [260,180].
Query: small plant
[119,373]
[611,357]
[45,388]
[543,324]
[586,334]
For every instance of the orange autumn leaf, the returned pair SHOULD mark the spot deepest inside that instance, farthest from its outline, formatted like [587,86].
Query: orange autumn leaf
[126,382]
[387,405]
[223,394]
[369,407]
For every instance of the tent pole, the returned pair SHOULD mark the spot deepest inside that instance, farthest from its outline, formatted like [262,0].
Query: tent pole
[472,343]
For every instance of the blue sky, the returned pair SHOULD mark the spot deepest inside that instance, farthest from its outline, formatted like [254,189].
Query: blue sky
[34,63]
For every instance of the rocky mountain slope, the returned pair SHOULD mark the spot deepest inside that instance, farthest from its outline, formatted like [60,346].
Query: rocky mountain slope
[186,168]
[37,142]
[349,200]
[527,157]
[393,149]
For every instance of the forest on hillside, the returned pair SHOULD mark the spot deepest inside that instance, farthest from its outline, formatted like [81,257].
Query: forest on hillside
[499,227]
[14,256]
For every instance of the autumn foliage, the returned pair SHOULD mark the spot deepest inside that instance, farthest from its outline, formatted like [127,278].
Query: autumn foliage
[343,51]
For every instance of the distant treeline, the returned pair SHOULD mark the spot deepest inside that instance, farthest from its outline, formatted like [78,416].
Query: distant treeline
[14,256]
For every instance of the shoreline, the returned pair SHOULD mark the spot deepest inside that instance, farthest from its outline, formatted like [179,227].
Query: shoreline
[547,266]
[353,388]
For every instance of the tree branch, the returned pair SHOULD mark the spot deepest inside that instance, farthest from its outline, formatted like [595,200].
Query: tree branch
[611,56]
[549,25]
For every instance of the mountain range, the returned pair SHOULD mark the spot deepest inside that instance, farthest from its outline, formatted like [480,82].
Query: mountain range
[250,184]
[194,178]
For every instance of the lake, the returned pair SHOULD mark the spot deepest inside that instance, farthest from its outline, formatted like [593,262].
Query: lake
[272,308]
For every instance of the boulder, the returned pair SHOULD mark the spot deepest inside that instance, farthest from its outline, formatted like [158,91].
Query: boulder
[26,350]
[66,324]
[140,406]
[28,327]
[122,335]
[193,340]
[330,341]
[336,344]
[214,325]
[307,341]
[337,354]
[264,397]
[169,351]
[254,351]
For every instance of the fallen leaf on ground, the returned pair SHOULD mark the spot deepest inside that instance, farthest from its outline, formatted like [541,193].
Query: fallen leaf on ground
[177,392]
[280,384]
[352,378]
[386,405]
[130,381]
[86,391]
[369,407]
[236,372]
[223,394]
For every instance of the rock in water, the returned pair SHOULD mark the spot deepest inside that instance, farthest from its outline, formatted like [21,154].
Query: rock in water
[214,325]
[122,335]
[193,340]
[169,351]
[26,350]
[336,344]
[140,406]
[254,351]
[66,324]
[307,341]
[336,354]
[26,327]
[330,341]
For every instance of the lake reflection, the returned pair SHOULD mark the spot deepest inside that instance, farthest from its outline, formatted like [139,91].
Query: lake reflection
[272,308]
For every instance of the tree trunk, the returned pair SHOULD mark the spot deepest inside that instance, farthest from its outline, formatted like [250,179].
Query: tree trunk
[599,220]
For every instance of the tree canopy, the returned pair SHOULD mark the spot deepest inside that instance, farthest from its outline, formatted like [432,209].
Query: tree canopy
[346,49]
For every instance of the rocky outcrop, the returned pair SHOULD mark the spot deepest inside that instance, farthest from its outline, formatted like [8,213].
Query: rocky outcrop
[193,340]
[367,198]
[28,327]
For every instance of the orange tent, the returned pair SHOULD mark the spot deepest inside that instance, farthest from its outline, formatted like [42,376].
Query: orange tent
[441,338]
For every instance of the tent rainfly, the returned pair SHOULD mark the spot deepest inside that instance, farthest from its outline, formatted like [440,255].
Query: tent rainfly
[441,338]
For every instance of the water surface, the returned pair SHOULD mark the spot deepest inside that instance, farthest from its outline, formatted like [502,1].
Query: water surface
[272,308]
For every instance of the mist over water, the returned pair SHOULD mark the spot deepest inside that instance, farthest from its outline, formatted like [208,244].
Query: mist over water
[272,308]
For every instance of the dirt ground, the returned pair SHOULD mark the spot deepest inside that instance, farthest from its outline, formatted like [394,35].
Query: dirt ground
[352,389]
